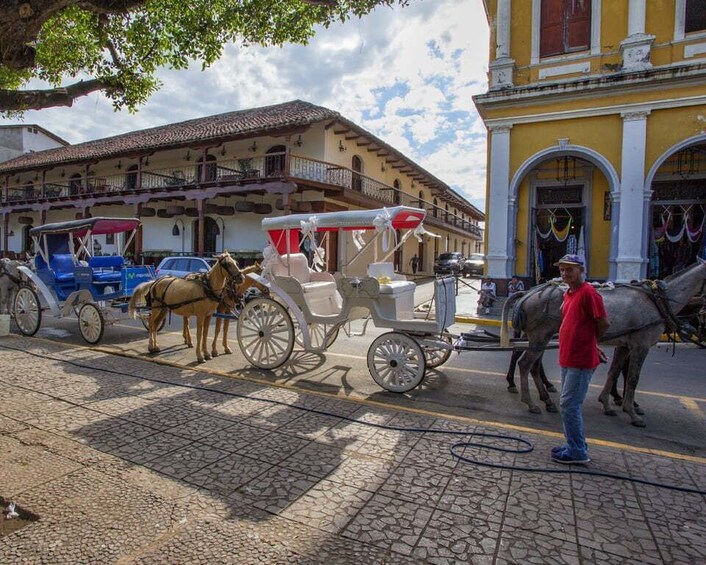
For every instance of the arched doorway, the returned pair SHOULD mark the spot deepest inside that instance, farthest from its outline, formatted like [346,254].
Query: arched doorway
[357,167]
[131,178]
[274,161]
[211,172]
[27,241]
[210,236]
[560,199]
[678,212]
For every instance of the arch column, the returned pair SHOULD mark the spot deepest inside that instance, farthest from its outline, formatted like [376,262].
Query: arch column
[499,214]
[630,223]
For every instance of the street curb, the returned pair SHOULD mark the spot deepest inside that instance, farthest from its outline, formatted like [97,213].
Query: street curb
[479,321]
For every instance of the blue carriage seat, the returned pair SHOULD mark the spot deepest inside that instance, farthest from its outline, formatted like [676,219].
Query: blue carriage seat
[106,268]
[63,266]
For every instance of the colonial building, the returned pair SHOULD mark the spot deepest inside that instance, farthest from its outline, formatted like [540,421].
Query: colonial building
[596,118]
[16,140]
[204,185]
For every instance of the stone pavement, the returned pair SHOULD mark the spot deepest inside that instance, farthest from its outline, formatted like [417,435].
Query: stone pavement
[129,461]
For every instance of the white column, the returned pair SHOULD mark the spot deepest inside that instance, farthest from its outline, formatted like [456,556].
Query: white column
[637,45]
[502,67]
[632,186]
[636,17]
[502,29]
[497,224]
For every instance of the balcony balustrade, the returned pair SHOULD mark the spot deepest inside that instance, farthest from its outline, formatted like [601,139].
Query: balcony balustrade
[225,172]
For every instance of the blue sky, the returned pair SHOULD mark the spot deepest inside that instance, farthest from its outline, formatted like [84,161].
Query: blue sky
[405,74]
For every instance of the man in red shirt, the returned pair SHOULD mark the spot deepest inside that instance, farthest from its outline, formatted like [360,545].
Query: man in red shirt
[584,321]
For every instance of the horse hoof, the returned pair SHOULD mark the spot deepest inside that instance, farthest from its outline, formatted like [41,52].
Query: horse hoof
[214,353]
[551,388]
[609,412]
[552,408]
[638,423]
[512,389]
[199,359]
[535,410]
[639,411]
[618,401]
[228,351]
[207,357]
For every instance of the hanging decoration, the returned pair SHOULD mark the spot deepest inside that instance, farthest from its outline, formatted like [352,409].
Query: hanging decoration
[383,224]
[675,238]
[358,239]
[562,234]
[694,235]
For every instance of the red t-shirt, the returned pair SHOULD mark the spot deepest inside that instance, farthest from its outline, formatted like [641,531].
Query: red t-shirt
[578,345]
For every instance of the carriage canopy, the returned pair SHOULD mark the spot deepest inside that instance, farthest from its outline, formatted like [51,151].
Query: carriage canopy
[79,228]
[402,218]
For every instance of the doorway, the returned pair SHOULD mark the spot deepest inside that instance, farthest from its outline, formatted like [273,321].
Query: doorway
[210,236]
[558,228]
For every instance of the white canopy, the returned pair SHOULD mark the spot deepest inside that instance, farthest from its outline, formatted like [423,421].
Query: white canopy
[401,217]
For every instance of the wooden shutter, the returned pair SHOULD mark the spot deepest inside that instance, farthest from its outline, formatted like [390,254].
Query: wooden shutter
[551,33]
[578,25]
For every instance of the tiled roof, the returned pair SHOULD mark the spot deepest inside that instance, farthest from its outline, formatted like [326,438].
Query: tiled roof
[255,121]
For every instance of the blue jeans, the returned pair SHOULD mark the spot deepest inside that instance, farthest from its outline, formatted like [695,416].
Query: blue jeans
[574,386]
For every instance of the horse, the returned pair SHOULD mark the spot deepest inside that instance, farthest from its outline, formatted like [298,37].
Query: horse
[10,280]
[198,296]
[231,299]
[638,313]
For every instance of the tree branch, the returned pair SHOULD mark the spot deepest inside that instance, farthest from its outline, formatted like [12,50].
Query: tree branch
[21,100]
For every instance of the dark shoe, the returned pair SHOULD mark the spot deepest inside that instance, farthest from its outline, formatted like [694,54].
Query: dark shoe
[559,449]
[565,459]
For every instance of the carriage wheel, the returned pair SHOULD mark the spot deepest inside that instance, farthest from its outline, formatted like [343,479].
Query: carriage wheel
[265,333]
[436,357]
[28,311]
[146,322]
[317,334]
[396,362]
[91,323]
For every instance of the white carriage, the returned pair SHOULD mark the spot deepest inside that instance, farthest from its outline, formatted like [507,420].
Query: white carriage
[310,306]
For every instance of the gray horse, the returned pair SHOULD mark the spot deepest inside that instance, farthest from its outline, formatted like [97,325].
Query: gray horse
[638,315]
[9,282]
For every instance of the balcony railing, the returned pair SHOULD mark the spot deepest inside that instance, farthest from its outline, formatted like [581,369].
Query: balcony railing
[234,171]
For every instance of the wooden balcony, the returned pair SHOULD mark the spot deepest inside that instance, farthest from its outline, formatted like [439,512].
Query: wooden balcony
[231,176]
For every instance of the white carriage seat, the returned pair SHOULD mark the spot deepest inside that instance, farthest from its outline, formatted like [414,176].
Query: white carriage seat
[311,281]
[398,283]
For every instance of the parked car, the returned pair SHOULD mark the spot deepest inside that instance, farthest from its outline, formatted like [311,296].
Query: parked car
[473,265]
[181,266]
[448,263]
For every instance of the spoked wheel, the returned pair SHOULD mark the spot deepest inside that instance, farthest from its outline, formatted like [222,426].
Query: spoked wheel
[28,311]
[317,334]
[91,323]
[396,362]
[436,357]
[265,333]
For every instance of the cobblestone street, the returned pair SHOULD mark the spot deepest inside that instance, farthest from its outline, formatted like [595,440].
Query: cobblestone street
[129,461]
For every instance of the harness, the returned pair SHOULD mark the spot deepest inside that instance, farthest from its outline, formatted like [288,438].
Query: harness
[202,279]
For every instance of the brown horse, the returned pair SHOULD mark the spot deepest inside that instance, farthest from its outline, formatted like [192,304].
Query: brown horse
[198,296]
[232,298]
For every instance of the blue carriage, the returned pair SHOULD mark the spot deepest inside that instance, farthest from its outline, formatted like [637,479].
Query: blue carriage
[68,278]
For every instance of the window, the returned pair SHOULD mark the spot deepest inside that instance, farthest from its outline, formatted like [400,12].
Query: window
[695,16]
[396,193]
[565,27]
[275,161]
[357,166]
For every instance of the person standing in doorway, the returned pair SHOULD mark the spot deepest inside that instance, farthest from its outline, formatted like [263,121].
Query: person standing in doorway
[584,321]
[414,261]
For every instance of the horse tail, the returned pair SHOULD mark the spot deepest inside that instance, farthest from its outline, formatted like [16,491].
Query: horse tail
[505,330]
[139,295]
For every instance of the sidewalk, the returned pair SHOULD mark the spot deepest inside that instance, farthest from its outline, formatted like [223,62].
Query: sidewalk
[198,468]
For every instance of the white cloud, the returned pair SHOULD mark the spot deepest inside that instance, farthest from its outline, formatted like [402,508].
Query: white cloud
[407,75]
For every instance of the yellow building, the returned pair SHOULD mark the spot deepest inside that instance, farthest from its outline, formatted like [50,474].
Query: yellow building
[204,185]
[596,118]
